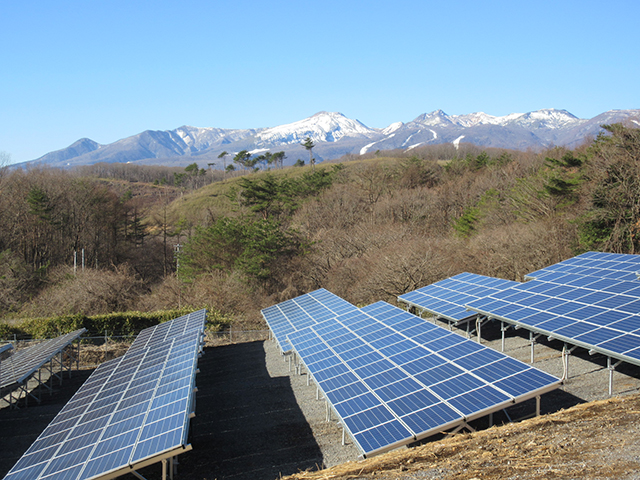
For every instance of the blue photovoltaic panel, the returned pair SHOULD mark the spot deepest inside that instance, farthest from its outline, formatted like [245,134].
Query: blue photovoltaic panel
[447,298]
[130,410]
[598,313]
[617,266]
[372,424]
[191,322]
[387,373]
[301,312]
[23,363]
[5,347]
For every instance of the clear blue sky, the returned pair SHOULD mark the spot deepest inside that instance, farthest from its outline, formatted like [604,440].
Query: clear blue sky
[110,69]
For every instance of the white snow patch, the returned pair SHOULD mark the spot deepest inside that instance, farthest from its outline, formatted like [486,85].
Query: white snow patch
[409,138]
[258,150]
[364,149]
[414,146]
[392,128]
[435,135]
[636,122]
[456,142]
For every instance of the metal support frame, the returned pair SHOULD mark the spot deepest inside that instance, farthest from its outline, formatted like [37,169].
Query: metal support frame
[503,329]
[507,414]
[23,390]
[479,321]
[169,465]
[462,426]
[611,367]
[565,361]
[532,340]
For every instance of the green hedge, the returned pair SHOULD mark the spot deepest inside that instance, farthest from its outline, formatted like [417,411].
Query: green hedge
[112,324]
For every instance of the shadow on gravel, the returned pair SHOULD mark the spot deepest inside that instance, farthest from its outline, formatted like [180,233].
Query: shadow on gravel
[248,425]
[19,428]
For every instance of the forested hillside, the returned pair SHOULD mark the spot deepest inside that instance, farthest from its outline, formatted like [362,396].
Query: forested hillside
[366,229]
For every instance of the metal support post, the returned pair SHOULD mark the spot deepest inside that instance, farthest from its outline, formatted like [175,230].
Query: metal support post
[137,475]
[343,436]
[533,342]
[611,366]
[502,329]
[538,406]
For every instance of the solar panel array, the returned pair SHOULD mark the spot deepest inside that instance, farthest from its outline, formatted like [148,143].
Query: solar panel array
[618,266]
[394,378]
[447,298]
[600,314]
[303,311]
[23,363]
[132,411]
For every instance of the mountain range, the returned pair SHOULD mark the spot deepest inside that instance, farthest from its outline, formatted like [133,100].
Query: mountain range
[335,135]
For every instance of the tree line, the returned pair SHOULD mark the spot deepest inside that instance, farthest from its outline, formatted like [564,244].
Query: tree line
[368,230]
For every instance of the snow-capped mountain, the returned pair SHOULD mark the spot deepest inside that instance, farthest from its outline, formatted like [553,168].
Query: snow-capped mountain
[321,127]
[335,135]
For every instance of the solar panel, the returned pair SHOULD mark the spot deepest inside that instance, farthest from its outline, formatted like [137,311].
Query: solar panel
[616,266]
[301,312]
[447,298]
[6,347]
[25,362]
[393,378]
[131,412]
[600,314]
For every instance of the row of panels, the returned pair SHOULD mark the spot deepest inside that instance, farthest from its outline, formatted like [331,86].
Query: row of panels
[592,301]
[130,411]
[394,378]
[23,363]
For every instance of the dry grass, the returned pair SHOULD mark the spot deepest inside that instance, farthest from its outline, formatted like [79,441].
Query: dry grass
[595,440]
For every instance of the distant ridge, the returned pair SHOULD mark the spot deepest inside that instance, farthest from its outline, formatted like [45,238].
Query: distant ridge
[335,135]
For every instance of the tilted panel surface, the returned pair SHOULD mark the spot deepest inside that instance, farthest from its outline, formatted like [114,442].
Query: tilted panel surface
[382,360]
[190,322]
[601,314]
[301,312]
[450,364]
[26,361]
[447,298]
[617,266]
[131,409]
[371,423]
